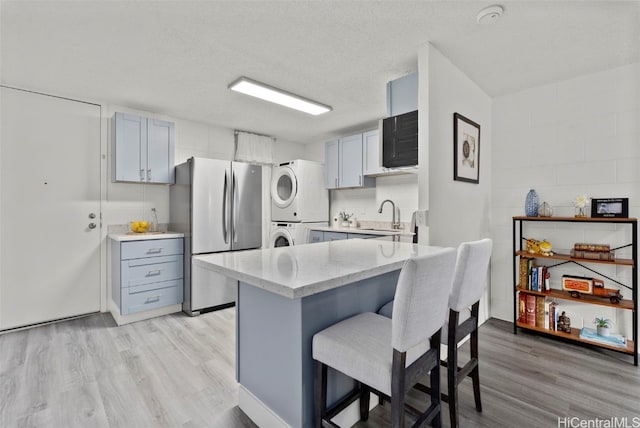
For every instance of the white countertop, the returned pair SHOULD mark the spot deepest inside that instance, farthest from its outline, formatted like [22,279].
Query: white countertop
[387,232]
[303,270]
[132,236]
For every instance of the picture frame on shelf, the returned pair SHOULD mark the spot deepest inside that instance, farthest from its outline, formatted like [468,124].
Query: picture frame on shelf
[610,207]
[466,149]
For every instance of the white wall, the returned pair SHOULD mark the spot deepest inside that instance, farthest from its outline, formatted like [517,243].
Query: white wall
[127,201]
[458,211]
[364,203]
[564,139]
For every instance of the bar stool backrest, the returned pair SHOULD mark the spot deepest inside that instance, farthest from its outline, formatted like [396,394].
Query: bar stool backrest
[420,303]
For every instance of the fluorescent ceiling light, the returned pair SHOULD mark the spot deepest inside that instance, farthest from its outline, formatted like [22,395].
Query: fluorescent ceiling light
[278,96]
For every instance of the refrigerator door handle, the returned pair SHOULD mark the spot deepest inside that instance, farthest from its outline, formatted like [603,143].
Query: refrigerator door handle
[225,208]
[235,207]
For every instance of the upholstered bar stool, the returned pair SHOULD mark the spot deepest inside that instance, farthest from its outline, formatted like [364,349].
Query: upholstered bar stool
[387,356]
[469,283]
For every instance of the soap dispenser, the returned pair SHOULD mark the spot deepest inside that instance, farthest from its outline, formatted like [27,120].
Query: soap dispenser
[154,221]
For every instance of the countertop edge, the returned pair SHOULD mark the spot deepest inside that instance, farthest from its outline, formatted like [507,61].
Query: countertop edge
[306,290]
[363,231]
[122,237]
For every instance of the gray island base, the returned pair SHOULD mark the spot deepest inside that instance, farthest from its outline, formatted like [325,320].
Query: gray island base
[285,296]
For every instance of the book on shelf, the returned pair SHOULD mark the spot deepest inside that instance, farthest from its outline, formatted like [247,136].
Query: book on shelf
[524,272]
[553,316]
[593,255]
[592,247]
[613,339]
[547,306]
[530,307]
[522,307]
[540,311]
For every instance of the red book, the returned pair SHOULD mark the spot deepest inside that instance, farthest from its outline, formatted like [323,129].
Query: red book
[531,309]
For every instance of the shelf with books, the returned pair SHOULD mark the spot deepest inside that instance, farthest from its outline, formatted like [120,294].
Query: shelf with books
[568,258]
[535,303]
[575,336]
[559,294]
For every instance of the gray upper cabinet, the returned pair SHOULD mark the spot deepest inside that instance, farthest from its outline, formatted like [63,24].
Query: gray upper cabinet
[350,161]
[371,162]
[331,156]
[344,163]
[143,149]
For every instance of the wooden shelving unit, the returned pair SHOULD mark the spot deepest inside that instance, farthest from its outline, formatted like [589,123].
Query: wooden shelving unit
[626,304]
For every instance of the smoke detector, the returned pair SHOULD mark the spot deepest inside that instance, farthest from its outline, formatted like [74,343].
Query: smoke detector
[489,14]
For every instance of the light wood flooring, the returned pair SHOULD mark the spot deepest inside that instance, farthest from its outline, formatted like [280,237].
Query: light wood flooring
[178,371]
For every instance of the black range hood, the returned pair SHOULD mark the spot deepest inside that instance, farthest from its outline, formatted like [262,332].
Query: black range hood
[400,140]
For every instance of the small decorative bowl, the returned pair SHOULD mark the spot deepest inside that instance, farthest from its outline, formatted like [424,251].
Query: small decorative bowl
[139,226]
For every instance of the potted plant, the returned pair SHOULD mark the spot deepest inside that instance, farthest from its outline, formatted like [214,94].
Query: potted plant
[344,218]
[603,326]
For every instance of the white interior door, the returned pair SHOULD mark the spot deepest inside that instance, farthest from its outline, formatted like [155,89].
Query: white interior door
[49,190]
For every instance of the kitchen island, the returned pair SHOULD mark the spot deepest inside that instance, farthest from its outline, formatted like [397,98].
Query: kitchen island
[285,296]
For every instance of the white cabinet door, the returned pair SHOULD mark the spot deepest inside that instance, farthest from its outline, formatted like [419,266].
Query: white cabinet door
[331,164]
[129,149]
[143,149]
[160,152]
[50,190]
[371,153]
[350,161]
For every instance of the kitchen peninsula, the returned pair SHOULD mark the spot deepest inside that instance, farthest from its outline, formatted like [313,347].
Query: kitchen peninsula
[285,296]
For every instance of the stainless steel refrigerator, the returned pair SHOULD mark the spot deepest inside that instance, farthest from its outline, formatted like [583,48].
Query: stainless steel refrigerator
[217,204]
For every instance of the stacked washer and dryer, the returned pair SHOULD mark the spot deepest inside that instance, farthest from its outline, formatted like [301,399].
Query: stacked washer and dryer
[299,200]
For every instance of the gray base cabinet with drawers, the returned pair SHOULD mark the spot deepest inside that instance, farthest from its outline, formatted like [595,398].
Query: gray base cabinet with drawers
[323,236]
[147,274]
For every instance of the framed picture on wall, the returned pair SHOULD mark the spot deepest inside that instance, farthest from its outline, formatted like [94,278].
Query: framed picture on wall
[466,149]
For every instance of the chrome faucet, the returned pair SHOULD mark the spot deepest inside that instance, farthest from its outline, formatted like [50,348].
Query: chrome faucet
[394,225]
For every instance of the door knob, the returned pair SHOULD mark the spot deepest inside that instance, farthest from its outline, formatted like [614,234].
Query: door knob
[92,215]
[92,225]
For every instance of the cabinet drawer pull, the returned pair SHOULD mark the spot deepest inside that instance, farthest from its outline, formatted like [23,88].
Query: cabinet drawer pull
[336,182]
[154,272]
[152,299]
[142,175]
[154,250]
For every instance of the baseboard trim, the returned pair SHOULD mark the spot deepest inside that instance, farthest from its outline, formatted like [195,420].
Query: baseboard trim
[257,411]
[139,316]
[263,416]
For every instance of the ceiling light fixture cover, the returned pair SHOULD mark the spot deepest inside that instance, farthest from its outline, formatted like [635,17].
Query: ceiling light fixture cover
[269,93]
[489,14]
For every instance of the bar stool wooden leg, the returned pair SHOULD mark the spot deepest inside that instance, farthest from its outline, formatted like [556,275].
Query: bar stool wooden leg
[320,393]
[475,374]
[398,389]
[452,370]
[435,394]
[364,402]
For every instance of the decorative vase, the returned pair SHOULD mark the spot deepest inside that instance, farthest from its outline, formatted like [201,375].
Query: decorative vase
[581,212]
[603,331]
[545,210]
[531,204]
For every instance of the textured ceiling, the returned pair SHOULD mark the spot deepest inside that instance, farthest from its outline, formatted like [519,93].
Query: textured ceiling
[177,57]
